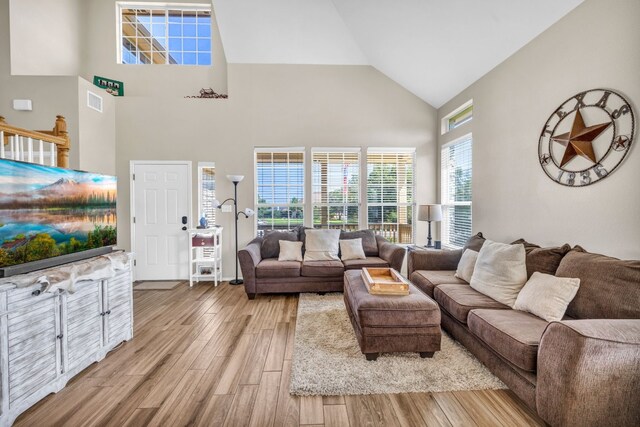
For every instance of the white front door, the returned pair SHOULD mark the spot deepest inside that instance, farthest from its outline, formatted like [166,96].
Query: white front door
[162,206]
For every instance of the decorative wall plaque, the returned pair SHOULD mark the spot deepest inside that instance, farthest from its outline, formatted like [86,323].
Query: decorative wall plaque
[586,138]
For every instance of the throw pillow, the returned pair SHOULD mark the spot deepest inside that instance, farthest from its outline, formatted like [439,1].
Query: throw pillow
[369,243]
[500,271]
[543,260]
[352,249]
[474,243]
[321,245]
[547,296]
[290,251]
[466,265]
[270,247]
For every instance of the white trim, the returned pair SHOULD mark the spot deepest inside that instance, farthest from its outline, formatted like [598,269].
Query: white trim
[400,150]
[336,150]
[278,150]
[457,141]
[132,205]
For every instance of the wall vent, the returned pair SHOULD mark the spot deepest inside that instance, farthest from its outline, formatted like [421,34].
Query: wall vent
[94,101]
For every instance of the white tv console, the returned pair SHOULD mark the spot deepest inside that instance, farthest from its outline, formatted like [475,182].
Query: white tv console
[48,338]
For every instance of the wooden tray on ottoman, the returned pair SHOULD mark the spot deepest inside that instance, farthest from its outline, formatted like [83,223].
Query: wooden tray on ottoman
[384,281]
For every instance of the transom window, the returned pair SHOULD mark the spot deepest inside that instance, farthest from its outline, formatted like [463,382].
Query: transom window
[390,189]
[164,34]
[336,188]
[279,188]
[461,115]
[456,184]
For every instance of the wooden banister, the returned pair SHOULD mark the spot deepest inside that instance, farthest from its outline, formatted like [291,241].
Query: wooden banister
[58,136]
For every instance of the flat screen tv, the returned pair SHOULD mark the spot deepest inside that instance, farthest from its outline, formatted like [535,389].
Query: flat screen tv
[50,216]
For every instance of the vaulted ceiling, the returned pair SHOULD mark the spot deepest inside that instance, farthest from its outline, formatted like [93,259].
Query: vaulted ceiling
[434,48]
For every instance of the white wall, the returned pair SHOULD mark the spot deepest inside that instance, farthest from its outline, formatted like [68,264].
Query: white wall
[594,46]
[45,37]
[274,105]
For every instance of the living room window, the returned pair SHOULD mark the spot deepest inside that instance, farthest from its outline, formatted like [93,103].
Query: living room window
[279,188]
[336,188]
[390,190]
[207,191]
[461,115]
[456,180]
[156,33]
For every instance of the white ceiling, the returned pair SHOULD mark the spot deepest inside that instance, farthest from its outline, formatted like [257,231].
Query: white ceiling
[434,48]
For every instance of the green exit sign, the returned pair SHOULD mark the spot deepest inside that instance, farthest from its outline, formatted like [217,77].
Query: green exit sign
[114,87]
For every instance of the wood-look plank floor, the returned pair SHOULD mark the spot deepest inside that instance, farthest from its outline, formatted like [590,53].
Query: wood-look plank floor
[208,356]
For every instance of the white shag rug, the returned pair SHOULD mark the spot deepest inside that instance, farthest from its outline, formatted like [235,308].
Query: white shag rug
[327,359]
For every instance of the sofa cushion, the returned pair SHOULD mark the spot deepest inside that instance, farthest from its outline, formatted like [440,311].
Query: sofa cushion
[370,262]
[322,268]
[609,287]
[369,243]
[474,243]
[270,247]
[466,265]
[459,300]
[514,335]
[427,280]
[322,245]
[351,249]
[272,268]
[543,260]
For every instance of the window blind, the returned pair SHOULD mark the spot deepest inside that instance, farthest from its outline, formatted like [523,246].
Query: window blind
[336,189]
[279,189]
[207,193]
[456,194]
[390,193]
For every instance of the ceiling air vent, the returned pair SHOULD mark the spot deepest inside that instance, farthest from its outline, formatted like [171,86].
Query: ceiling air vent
[94,101]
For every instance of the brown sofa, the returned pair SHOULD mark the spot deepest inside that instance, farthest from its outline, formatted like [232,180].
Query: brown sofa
[263,273]
[581,371]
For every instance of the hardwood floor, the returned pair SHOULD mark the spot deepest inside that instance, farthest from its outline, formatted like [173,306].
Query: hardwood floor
[210,357]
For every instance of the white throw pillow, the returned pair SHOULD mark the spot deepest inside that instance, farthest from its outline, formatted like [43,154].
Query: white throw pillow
[321,245]
[547,296]
[352,249]
[466,265]
[290,251]
[500,271]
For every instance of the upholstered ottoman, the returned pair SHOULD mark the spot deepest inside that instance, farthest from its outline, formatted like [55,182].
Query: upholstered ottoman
[388,324]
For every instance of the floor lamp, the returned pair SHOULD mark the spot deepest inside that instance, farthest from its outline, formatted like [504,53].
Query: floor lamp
[247,213]
[430,213]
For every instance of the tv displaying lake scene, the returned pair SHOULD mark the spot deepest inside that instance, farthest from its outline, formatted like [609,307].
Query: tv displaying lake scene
[48,212]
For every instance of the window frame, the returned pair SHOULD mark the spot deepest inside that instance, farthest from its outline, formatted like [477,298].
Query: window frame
[151,6]
[340,151]
[257,205]
[445,199]
[451,122]
[211,219]
[410,205]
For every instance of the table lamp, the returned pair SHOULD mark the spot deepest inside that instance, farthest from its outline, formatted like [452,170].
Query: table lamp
[429,213]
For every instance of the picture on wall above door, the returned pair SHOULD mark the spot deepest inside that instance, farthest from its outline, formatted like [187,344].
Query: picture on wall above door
[586,138]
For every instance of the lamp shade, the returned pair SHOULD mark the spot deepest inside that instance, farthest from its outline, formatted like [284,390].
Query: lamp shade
[235,178]
[430,213]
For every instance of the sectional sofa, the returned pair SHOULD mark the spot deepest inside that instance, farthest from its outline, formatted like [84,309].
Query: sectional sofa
[263,273]
[581,371]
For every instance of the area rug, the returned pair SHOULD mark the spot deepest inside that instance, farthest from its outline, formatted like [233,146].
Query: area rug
[156,285]
[327,360]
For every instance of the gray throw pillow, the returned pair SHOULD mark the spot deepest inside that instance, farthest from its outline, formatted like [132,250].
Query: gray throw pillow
[270,247]
[474,243]
[543,260]
[369,243]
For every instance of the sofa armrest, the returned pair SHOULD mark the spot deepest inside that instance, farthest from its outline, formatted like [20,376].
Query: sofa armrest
[249,258]
[393,254]
[436,260]
[589,373]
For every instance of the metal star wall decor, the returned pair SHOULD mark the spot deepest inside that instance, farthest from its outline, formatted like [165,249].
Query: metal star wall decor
[585,154]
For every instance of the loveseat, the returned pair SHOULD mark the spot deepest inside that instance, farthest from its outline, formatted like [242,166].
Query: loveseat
[263,273]
[581,371]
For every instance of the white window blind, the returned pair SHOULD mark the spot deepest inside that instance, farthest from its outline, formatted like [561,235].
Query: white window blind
[390,189]
[279,189]
[336,188]
[456,179]
[207,192]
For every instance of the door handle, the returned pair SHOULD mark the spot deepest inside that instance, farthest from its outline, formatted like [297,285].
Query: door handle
[184,221]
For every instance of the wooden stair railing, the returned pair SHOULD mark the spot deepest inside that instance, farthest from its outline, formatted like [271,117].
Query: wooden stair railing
[59,137]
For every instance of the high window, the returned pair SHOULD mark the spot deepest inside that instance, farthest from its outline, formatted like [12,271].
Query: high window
[456,180]
[390,193]
[207,192]
[152,33]
[461,115]
[336,188]
[279,188]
